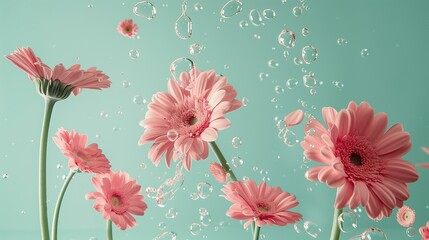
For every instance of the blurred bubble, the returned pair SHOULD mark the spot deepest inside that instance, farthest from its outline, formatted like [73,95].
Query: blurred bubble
[195,49]
[162,225]
[309,54]
[273,63]
[137,99]
[279,89]
[237,161]
[291,83]
[145,9]
[312,229]
[364,52]
[134,54]
[342,41]
[244,24]
[198,7]
[297,11]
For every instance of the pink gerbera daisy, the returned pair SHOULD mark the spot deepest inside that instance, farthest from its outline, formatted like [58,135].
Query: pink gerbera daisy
[406,216]
[117,197]
[218,172]
[193,116]
[262,204]
[363,160]
[88,159]
[127,28]
[59,82]
[424,231]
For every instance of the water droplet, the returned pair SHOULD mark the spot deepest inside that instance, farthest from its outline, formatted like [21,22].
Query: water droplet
[134,54]
[244,24]
[309,81]
[195,49]
[342,41]
[279,89]
[194,196]
[166,236]
[312,229]
[171,213]
[59,166]
[338,84]
[231,8]
[162,225]
[286,54]
[298,227]
[287,38]
[172,135]
[145,9]
[236,142]
[263,76]
[255,17]
[137,99]
[305,31]
[273,63]
[411,232]
[309,54]
[298,61]
[126,84]
[347,221]
[297,11]
[290,138]
[204,190]
[237,161]
[5,176]
[226,66]
[244,101]
[90,5]
[198,7]
[313,92]
[143,166]
[374,234]
[203,211]
[195,228]
[205,219]
[181,65]
[269,14]
[291,83]
[23,212]
[364,52]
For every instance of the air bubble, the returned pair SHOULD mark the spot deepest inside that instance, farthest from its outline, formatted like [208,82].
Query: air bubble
[145,9]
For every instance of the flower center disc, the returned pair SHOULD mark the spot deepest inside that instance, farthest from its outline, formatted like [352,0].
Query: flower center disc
[115,201]
[263,207]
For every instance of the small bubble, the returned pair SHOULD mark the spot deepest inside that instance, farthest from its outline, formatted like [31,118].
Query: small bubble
[342,41]
[195,228]
[145,9]
[364,53]
[279,89]
[115,129]
[226,66]
[311,131]
[166,236]
[126,84]
[104,114]
[134,54]
[269,14]
[291,83]
[411,232]
[5,176]
[194,196]
[143,166]
[202,211]
[273,63]
[312,229]
[298,227]
[257,36]
[137,99]
[93,238]
[162,225]
[23,212]
[347,221]
[286,54]
[274,100]
[172,135]
[243,24]
[59,166]
[290,138]
[255,17]
[204,190]
[195,49]
[297,11]
[205,219]
[298,61]
[255,168]
[287,38]
[263,76]
[338,84]
[171,213]
[309,81]
[236,142]
[231,8]
[305,31]
[374,234]
[244,101]
[237,161]
[90,5]
[224,224]
[198,7]
[309,54]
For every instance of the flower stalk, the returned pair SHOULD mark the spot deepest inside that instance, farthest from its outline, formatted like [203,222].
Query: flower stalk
[335,231]
[109,230]
[256,233]
[222,161]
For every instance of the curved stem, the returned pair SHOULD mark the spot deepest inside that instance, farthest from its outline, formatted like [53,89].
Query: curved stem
[335,231]
[59,201]
[43,209]
[256,233]
[222,161]
[109,230]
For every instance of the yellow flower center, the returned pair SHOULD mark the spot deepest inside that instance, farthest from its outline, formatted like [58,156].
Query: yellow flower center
[115,201]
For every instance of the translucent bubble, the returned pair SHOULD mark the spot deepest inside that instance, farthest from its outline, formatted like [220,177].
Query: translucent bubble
[90,5]
[23,212]
[298,61]
[166,236]
[274,100]
[244,101]
[290,138]
[137,99]
[151,192]
[204,190]
[287,38]
[374,234]
[298,227]
[291,83]
[183,26]
[364,52]
[338,84]
[171,213]
[309,54]
[93,238]
[312,229]
[305,31]
[411,232]
[297,11]
[172,135]
[126,84]
[237,161]
[313,92]
[286,54]
[145,9]
[195,229]
[231,8]
[224,224]
[205,220]
[59,166]
[194,196]
[347,221]
[255,17]
[342,41]
[309,81]
[143,166]
[226,66]
[279,89]
[181,65]
[202,211]
[273,63]
[195,49]
[257,36]
[269,14]
[244,24]
[162,225]
[134,54]
[263,76]
[236,142]
[5,176]
[198,7]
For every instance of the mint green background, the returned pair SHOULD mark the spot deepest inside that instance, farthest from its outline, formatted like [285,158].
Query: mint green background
[392,79]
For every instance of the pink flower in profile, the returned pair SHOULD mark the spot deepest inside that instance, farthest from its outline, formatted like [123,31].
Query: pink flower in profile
[127,28]
[424,231]
[218,172]
[88,159]
[195,117]
[406,216]
[73,77]
[361,159]
[117,197]
[262,204]
[294,118]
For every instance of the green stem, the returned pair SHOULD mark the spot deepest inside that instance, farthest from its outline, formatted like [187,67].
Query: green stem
[109,230]
[335,231]
[222,161]
[256,233]
[58,206]
[43,209]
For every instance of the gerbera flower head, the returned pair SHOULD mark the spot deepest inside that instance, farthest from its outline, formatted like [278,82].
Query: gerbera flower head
[127,28]
[117,197]
[195,116]
[424,231]
[361,158]
[218,172]
[88,159]
[406,216]
[59,82]
[260,203]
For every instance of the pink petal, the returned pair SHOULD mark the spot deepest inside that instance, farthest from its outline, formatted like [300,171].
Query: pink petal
[294,118]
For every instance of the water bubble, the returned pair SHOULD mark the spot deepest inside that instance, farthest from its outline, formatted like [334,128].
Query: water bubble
[145,9]
[244,24]
[59,166]
[237,161]
[5,176]
[274,100]
[126,84]
[183,27]
[151,192]
[287,38]
[342,41]
[286,54]
[236,142]
[364,52]
[411,232]
[269,14]
[205,219]
[347,221]
[297,11]
[298,227]
[290,138]
[171,213]
[166,236]
[263,76]
[195,49]
[305,31]
[309,54]
[137,99]
[195,228]
[204,190]
[194,196]
[255,17]
[198,7]
[162,225]
[309,81]
[312,229]
[172,135]
[181,65]
[374,234]
[273,63]
[338,84]
[313,92]
[224,224]
[298,61]
[291,83]
[226,66]
[143,166]
[231,8]
[203,211]
[23,212]
[244,101]
[257,36]
[134,54]
[90,5]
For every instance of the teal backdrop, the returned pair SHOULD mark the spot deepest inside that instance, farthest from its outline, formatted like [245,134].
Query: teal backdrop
[391,77]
